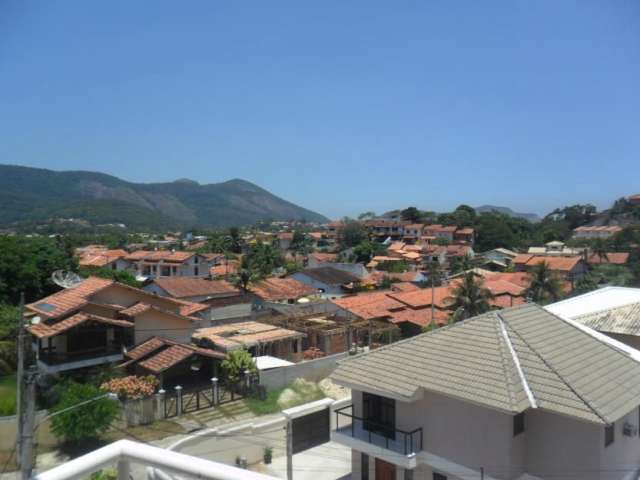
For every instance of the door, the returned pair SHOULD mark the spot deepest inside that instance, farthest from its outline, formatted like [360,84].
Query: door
[384,470]
[379,414]
[311,430]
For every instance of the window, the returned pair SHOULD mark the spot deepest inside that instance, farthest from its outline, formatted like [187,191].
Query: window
[439,476]
[518,424]
[379,414]
[408,474]
[196,259]
[364,466]
[196,271]
[609,434]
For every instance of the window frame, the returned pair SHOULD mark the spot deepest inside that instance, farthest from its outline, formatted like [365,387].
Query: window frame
[519,425]
[609,434]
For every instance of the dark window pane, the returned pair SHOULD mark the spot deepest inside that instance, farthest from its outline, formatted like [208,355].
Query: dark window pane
[609,434]
[439,476]
[364,466]
[518,424]
[408,474]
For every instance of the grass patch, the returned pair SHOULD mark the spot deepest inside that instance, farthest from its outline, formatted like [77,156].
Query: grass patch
[296,393]
[145,433]
[8,392]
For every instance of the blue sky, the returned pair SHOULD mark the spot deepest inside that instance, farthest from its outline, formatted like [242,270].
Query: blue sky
[340,106]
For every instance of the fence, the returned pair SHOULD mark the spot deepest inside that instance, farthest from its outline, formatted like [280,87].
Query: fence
[312,370]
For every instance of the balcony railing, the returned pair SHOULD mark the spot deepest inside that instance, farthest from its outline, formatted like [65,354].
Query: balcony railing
[378,434]
[57,358]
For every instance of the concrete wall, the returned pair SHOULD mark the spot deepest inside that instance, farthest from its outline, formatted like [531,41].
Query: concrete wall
[153,323]
[9,432]
[623,455]
[313,370]
[329,290]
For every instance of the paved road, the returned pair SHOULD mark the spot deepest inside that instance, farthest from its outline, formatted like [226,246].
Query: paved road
[329,461]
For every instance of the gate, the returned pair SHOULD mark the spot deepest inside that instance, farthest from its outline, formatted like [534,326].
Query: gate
[170,406]
[311,430]
[197,399]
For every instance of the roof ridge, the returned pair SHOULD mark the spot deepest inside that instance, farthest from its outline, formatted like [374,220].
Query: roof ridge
[543,360]
[516,362]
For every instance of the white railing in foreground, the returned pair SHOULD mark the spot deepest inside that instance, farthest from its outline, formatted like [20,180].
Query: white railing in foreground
[125,452]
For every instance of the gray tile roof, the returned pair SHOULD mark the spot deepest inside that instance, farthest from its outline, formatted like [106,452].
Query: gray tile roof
[624,320]
[514,359]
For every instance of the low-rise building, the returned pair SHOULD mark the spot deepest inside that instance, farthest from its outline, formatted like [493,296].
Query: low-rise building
[596,232]
[511,394]
[169,263]
[327,281]
[569,268]
[256,337]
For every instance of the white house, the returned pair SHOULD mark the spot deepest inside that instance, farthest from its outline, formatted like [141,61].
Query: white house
[513,394]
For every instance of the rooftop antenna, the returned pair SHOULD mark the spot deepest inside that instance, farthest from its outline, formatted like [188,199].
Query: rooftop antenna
[66,279]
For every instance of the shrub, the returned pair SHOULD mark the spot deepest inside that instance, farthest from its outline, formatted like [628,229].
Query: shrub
[132,387]
[236,363]
[84,422]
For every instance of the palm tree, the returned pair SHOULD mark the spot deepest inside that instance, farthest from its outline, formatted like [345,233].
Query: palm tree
[544,284]
[244,278]
[470,297]
[462,264]
[599,249]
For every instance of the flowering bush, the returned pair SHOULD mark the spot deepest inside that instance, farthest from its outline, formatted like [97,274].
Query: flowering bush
[132,387]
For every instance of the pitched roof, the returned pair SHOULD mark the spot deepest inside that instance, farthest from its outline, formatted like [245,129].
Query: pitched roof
[622,320]
[596,301]
[244,334]
[43,330]
[404,287]
[69,299]
[181,287]
[171,256]
[275,289]
[510,360]
[369,305]
[424,297]
[330,275]
[324,257]
[169,353]
[100,257]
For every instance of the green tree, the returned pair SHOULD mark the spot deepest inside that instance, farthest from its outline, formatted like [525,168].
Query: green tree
[544,284]
[400,266]
[464,215]
[411,214]
[9,325]
[367,216]
[586,284]
[244,278]
[351,234]
[236,363]
[301,244]
[470,297]
[84,422]
[462,264]
[366,250]
[263,259]
[599,248]
[122,276]
[26,265]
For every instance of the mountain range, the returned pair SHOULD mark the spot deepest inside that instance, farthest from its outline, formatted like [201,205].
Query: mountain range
[532,217]
[39,195]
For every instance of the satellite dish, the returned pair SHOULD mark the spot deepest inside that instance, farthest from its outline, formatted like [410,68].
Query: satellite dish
[66,279]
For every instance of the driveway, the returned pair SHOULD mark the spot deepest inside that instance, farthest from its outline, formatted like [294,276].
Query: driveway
[329,461]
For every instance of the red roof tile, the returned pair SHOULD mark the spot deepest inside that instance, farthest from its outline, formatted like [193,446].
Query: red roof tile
[277,289]
[181,287]
[69,299]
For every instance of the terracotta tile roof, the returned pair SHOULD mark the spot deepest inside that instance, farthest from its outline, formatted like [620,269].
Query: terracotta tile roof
[191,308]
[499,287]
[145,348]
[562,264]
[135,309]
[167,358]
[414,226]
[316,235]
[404,287]
[324,257]
[506,301]
[611,229]
[465,231]
[397,246]
[424,298]
[615,258]
[369,305]
[245,334]
[224,269]
[181,287]
[43,330]
[100,257]
[421,318]
[159,255]
[169,353]
[69,299]
[285,236]
[275,289]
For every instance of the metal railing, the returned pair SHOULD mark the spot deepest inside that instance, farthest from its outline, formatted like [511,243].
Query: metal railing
[55,358]
[378,434]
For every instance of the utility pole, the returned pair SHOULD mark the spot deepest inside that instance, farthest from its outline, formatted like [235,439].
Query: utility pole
[289,449]
[26,451]
[20,378]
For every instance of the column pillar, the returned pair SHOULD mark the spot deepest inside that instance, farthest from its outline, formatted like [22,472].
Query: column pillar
[214,390]
[179,399]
